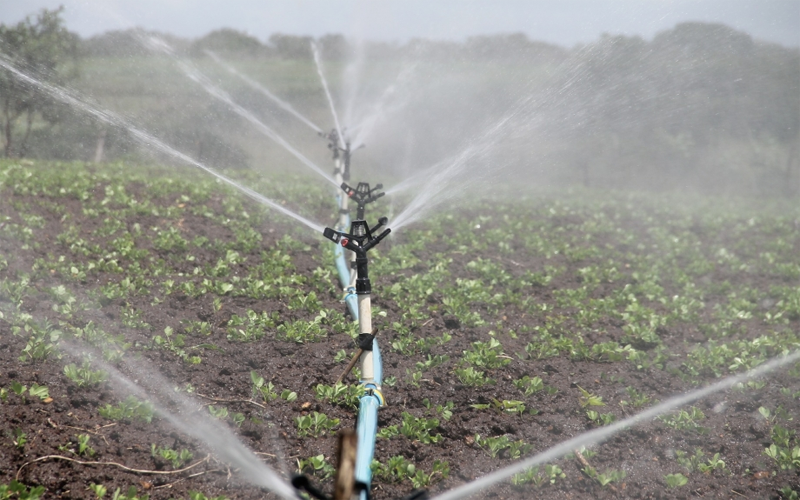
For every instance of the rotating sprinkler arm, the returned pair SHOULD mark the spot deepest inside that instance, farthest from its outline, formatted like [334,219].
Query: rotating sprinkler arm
[362,194]
[333,142]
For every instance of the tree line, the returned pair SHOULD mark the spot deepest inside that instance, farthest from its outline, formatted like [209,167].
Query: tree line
[701,105]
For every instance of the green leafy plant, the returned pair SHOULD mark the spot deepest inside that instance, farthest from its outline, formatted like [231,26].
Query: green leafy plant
[176,458]
[398,468]
[676,480]
[637,399]
[472,377]
[129,409]
[486,355]
[19,438]
[315,424]
[99,490]
[600,418]
[589,399]
[84,376]
[504,406]
[494,446]
[301,331]
[218,412]
[605,478]
[787,493]
[340,394]
[316,465]
[445,410]
[528,385]
[83,445]
[266,390]
[538,476]
[685,420]
[20,491]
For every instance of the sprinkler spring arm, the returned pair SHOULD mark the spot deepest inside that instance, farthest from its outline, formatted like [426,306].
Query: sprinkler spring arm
[362,194]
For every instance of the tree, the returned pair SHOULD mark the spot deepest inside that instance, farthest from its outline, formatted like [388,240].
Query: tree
[228,40]
[38,47]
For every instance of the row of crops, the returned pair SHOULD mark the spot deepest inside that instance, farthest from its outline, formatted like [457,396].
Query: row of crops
[506,328]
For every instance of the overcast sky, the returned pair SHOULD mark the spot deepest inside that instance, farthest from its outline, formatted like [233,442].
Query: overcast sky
[564,22]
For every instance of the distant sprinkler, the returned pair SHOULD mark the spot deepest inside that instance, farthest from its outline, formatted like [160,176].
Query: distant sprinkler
[333,142]
[341,155]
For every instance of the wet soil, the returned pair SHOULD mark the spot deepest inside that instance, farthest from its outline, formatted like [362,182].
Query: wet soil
[122,455]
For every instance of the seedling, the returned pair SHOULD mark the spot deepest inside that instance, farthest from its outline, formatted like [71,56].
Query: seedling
[255,326]
[637,399]
[238,419]
[529,386]
[496,445]
[414,377]
[398,468]
[19,438]
[472,377]
[315,425]
[266,390]
[303,332]
[785,457]
[416,429]
[504,406]
[84,376]
[18,388]
[15,488]
[99,490]
[220,413]
[432,362]
[589,399]
[486,355]
[446,410]
[676,480]
[316,465]
[550,474]
[341,394]
[83,445]
[600,418]
[129,409]
[683,420]
[174,457]
[607,477]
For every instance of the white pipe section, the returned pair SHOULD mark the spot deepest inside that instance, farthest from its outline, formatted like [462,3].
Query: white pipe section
[365,326]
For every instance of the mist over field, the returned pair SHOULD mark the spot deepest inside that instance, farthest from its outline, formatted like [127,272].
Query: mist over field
[700,107]
[563,260]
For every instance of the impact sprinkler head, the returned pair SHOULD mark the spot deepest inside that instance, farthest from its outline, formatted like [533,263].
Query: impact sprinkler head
[362,194]
[359,240]
[333,142]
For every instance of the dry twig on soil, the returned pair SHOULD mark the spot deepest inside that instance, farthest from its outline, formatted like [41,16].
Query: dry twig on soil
[113,464]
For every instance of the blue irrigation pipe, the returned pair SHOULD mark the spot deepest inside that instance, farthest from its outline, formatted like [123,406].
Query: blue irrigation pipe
[367,427]
[343,266]
[359,242]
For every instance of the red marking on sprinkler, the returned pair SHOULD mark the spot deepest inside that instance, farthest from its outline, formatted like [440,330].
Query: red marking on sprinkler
[344,242]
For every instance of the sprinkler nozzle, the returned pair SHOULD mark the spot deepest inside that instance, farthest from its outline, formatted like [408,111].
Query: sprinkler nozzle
[332,235]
